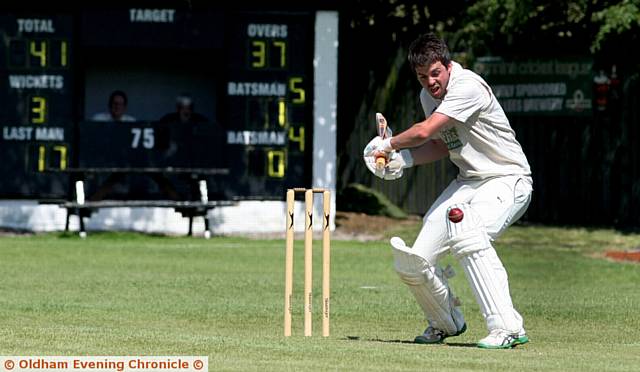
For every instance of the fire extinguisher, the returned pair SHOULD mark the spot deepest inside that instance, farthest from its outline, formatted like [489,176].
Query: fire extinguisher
[601,85]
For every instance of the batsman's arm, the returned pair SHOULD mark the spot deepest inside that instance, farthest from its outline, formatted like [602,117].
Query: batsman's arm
[418,133]
[430,151]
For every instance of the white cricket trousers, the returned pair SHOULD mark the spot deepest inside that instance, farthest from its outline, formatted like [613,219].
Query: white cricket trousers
[500,201]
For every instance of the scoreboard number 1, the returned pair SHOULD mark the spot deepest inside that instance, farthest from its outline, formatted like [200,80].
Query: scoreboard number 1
[282,112]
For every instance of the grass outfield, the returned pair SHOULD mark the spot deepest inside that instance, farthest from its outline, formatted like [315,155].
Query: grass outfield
[131,294]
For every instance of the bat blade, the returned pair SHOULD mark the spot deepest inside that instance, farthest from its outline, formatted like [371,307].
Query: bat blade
[381,124]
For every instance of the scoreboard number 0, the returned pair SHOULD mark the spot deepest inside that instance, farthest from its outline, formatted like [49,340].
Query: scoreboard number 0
[275,163]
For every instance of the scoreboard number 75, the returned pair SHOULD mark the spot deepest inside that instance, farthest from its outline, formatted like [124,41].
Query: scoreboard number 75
[142,136]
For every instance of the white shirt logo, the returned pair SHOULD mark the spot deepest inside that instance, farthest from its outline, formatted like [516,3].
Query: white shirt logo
[451,138]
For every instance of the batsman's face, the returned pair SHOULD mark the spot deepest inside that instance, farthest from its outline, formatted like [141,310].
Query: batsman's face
[434,78]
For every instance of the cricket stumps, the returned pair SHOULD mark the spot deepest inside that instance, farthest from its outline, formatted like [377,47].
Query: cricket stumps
[308,260]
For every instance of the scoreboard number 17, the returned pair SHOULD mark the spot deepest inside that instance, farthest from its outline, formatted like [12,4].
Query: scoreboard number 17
[57,150]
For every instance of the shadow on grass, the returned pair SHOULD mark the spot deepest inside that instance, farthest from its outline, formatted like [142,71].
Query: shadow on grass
[114,235]
[462,344]
[454,344]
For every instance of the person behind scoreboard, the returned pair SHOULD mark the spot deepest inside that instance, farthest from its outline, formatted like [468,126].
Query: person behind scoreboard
[117,109]
[184,112]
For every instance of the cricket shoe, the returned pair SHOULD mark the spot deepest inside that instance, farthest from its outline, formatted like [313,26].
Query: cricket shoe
[436,336]
[501,339]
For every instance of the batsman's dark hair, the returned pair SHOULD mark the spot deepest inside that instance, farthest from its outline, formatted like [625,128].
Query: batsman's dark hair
[428,49]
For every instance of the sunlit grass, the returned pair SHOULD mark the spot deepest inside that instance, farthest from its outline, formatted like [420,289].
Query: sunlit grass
[131,294]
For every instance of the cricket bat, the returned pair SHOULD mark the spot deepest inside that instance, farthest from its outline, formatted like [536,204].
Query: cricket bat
[381,123]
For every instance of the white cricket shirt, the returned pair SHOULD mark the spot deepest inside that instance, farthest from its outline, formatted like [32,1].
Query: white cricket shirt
[481,142]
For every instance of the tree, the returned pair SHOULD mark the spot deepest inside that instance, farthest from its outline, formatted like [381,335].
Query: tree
[496,26]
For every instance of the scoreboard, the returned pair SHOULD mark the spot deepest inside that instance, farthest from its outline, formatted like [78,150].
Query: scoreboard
[262,68]
[269,95]
[37,98]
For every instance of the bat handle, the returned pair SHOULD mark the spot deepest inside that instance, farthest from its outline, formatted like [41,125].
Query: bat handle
[381,161]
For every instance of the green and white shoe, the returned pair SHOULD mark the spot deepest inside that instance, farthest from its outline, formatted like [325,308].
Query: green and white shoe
[436,336]
[501,339]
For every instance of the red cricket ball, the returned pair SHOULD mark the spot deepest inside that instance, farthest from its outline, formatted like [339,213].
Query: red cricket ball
[456,215]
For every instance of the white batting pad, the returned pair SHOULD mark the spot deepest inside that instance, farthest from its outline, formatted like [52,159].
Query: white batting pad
[490,286]
[487,277]
[469,234]
[429,287]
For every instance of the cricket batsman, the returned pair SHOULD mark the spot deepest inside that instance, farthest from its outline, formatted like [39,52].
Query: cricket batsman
[492,190]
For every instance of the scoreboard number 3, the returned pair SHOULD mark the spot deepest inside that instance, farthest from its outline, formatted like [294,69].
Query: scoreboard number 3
[38,110]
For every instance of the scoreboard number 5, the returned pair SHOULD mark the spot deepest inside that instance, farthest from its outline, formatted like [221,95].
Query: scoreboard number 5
[298,93]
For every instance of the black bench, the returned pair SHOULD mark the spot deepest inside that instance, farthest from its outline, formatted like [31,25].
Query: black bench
[187,208]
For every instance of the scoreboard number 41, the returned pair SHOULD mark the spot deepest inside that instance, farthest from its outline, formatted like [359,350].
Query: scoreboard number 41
[38,53]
